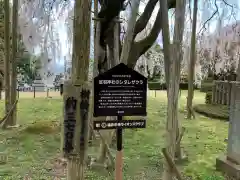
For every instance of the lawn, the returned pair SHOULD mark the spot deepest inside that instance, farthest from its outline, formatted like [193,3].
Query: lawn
[33,153]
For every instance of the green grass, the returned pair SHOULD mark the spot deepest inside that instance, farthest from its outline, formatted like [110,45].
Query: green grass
[32,152]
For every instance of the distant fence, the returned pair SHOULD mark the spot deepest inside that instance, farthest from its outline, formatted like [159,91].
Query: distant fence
[35,93]
[221,93]
[32,93]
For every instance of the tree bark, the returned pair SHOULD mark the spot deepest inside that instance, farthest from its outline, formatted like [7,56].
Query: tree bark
[14,62]
[177,55]
[238,70]
[95,63]
[130,32]
[140,47]
[80,69]
[192,63]
[7,58]
[170,139]
[172,78]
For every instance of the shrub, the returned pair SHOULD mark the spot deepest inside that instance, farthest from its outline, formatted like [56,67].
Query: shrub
[206,87]
[158,86]
[208,98]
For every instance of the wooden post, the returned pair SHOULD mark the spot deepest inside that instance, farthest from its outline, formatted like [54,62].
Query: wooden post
[223,93]
[80,89]
[229,95]
[47,92]
[75,125]
[34,92]
[214,93]
[18,92]
[119,155]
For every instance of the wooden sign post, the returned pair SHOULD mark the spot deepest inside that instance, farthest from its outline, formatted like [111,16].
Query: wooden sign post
[74,127]
[120,91]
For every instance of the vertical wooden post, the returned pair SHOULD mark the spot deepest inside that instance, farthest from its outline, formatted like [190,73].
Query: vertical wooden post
[80,70]
[119,155]
[34,92]
[7,58]
[18,92]
[14,61]
[214,93]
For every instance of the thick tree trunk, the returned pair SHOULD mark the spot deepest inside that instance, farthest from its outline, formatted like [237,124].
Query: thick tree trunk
[171,130]
[113,59]
[1,82]
[172,64]
[177,55]
[140,47]
[14,62]
[7,58]
[192,63]
[80,69]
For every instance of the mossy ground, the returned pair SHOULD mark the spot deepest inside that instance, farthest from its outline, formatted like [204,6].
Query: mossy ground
[32,153]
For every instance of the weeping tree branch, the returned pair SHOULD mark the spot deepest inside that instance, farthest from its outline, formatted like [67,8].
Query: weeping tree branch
[140,47]
[145,16]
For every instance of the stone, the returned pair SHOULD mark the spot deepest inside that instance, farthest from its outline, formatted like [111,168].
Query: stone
[230,164]
[227,167]
[233,148]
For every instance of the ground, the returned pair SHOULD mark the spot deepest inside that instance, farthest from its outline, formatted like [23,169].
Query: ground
[33,154]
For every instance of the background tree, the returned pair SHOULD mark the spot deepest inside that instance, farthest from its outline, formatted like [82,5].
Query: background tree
[191,73]
[7,58]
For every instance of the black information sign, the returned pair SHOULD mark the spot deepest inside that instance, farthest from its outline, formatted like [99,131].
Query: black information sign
[69,124]
[120,91]
[101,125]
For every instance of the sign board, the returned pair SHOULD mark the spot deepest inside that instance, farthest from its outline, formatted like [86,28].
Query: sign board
[101,125]
[120,91]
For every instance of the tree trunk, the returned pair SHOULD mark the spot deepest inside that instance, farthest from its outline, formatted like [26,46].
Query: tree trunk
[238,71]
[14,62]
[177,55]
[95,63]
[1,82]
[80,69]
[7,58]
[128,40]
[192,63]
[171,131]
[113,54]
[172,78]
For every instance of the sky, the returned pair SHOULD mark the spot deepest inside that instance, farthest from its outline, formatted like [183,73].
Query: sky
[202,16]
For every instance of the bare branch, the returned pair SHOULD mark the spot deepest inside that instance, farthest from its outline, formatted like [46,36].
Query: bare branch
[209,19]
